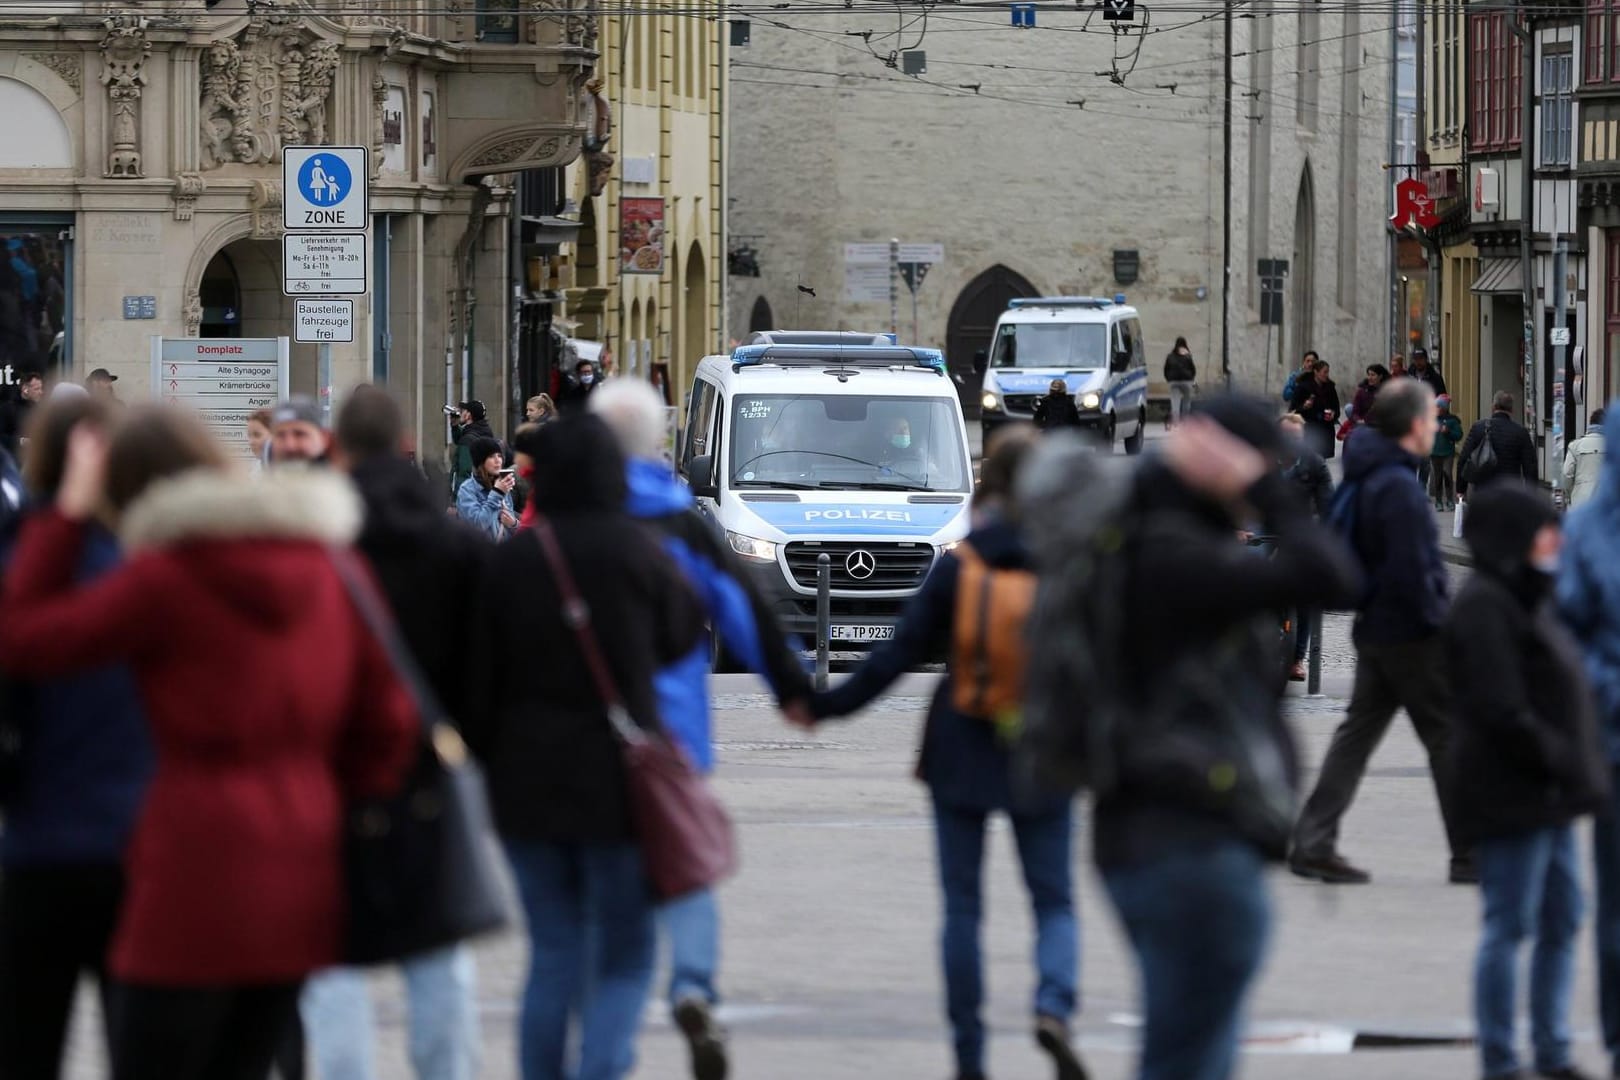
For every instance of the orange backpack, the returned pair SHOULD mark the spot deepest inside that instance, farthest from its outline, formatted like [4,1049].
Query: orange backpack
[989,652]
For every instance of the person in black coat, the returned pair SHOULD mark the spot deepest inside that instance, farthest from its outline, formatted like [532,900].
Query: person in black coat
[1311,476]
[1527,766]
[556,772]
[427,567]
[1317,400]
[1515,449]
[1055,408]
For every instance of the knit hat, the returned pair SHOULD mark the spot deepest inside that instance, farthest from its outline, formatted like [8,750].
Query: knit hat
[482,449]
[297,410]
[1444,401]
[1253,421]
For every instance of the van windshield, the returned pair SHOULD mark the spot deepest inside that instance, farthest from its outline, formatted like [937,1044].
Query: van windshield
[1071,346]
[847,442]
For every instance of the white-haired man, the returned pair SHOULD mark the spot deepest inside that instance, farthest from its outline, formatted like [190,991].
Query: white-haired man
[742,619]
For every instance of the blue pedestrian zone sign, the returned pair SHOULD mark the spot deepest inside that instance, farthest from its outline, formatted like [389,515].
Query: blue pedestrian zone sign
[324,180]
[324,188]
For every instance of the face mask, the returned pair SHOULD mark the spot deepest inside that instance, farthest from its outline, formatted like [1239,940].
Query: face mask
[900,442]
[586,380]
[1548,566]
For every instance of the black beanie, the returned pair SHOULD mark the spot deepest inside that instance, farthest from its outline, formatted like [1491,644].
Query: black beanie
[482,449]
[1250,419]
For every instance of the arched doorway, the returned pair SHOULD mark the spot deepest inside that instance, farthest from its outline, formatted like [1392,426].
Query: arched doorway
[695,319]
[1304,269]
[973,321]
[761,318]
[221,296]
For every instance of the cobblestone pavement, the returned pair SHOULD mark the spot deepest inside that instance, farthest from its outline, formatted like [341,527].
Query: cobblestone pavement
[830,930]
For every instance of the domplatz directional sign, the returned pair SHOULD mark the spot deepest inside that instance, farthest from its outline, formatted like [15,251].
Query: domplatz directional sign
[225,380]
[323,188]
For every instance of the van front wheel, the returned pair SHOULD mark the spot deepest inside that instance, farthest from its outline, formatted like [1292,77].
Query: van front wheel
[1133,445]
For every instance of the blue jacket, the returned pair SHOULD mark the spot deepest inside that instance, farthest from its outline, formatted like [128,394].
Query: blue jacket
[964,761]
[481,507]
[1589,594]
[87,757]
[736,611]
[1397,544]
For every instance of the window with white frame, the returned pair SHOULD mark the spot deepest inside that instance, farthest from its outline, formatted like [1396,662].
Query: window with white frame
[1557,108]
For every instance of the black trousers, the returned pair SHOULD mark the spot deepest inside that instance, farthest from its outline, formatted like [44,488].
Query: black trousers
[231,1033]
[1388,678]
[55,925]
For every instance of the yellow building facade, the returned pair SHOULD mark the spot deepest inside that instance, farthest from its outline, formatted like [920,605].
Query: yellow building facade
[1445,117]
[646,277]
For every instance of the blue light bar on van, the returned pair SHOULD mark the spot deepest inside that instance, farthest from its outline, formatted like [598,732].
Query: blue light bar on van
[844,355]
[1064,301]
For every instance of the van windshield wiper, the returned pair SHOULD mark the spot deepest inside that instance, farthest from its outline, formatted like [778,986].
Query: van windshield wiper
[873,485]
[789,485]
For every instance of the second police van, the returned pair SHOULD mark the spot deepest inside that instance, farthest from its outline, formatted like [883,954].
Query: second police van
[1094,345]
[799,444]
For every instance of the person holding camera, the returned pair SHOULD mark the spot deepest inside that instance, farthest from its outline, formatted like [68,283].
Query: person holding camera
[484,499]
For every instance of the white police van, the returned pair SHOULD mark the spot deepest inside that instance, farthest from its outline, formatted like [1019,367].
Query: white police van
[799,444]
[1094,345]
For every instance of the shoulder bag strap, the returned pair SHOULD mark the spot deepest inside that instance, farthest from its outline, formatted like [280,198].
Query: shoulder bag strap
[577,616]
[437,727]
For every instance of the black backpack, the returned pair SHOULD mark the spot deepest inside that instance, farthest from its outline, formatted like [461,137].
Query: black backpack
[1482,464]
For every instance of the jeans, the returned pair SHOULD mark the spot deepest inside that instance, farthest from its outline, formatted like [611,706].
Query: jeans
[1388,677]
[1181,400]
[443,1021]
[1199,921]
[1045,855]
[1606,926]
[1531,886]
[1442,480]
[592,942]
[692,924]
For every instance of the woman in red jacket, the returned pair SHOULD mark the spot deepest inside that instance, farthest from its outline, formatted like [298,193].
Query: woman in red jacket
[269,704]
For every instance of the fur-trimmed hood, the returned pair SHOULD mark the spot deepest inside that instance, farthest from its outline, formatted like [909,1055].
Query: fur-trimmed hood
[255,547]
[284,503]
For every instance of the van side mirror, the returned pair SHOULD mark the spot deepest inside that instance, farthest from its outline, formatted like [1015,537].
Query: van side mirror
[981,360]
[700,476]
[1122,361]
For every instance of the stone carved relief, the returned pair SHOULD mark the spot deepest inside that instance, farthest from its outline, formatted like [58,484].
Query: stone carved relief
[187,186]
[379,101]
[264,197]
[578,19]
[514,150]
[267,88]
[192,313]
[123,72]
[70,66]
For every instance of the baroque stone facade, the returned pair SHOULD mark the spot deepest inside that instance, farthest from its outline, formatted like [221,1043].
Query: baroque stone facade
[144,150]
[268,87]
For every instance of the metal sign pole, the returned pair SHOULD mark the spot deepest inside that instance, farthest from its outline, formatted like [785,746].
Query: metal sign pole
[324,356]
[894,286]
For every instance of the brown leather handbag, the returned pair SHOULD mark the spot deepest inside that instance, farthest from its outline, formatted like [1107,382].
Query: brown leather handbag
[685,836]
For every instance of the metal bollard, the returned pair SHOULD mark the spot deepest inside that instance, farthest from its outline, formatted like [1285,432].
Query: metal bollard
[1313,680]
[823,617]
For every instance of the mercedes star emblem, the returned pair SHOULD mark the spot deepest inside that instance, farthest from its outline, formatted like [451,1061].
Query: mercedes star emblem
[860,565]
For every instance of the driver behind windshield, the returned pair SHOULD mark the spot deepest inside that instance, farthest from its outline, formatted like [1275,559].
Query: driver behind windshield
[903,455]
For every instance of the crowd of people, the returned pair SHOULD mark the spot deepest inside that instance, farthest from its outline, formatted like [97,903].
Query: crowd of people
[195,697]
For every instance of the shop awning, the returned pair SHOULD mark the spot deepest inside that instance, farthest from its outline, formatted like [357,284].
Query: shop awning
[1499,276]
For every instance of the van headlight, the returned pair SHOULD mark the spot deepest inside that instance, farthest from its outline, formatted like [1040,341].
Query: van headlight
[1091,400]
[991,401]
[751,547]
